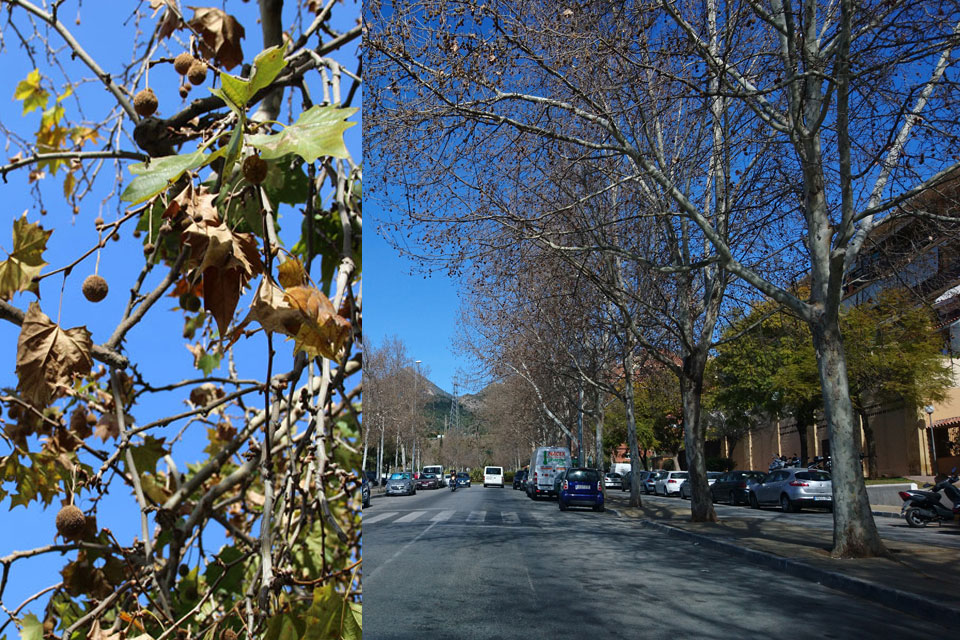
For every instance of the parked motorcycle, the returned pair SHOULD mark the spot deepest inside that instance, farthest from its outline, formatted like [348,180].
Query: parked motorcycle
[922,507]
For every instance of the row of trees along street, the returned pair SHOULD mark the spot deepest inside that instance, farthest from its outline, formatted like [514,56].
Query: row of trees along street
[181,308]
[614,180]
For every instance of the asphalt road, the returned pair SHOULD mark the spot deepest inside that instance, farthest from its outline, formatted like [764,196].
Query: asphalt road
[947,535]
[491,564]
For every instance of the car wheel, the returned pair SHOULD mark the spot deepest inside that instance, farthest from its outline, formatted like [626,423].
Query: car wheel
[913,518]
[786,505]
[754,503]
[733,498]
[563,507]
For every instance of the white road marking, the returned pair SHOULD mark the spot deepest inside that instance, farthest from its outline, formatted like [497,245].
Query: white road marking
[476,516]
[378,517]
[443,515]
[510,517]
[398,552]
[410,517]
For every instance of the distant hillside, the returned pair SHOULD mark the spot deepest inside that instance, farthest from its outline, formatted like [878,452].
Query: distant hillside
[439,402]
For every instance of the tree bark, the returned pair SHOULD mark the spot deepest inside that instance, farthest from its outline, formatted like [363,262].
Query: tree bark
[870,441]
[691,391]
[598,444]
[855,533]
[628,400]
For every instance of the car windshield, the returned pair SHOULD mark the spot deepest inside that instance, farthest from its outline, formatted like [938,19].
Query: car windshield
[399,476]
[680,476]
[427,476]
[588,475]
[756,476]
[816,476]
[463,475]
[492,471]
[613,476]
[714,474]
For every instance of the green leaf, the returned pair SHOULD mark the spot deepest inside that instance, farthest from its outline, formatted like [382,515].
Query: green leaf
[31,628]
[208,362]
[317,132]
[233,581]
[237,92]
[331,617]
[283,627]
[146,455]
[286,182]
[160,173]
[29,90]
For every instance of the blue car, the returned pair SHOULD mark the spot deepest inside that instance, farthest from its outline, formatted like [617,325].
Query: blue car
[581,487]
[463,479]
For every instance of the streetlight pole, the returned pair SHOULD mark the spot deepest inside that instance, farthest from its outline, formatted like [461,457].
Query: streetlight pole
[933,444]
[413,448]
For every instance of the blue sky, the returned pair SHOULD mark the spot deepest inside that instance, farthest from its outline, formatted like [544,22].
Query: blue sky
[399,300]
[156,344]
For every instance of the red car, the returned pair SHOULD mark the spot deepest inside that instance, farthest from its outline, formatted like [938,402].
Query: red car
[428,481]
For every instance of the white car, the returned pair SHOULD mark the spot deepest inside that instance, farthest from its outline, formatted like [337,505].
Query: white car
[669,483]
[493,476]
[686,491]
[612,479]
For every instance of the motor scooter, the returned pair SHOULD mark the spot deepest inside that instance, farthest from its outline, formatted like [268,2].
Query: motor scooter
[922,507]
[453,484]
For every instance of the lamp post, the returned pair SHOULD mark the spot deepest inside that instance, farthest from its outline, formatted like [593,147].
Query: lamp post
[933,444]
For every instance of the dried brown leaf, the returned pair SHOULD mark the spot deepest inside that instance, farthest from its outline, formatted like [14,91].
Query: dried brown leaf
[323,332]
[48,357]
[220,34]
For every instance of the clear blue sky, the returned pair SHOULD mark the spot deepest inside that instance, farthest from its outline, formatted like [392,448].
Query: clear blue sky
[156,345]
[399,300]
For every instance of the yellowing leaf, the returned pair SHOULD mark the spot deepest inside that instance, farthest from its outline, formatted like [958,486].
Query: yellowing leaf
[48,357]
[29,90]
[26,260]
[317,132]
[69,184]
[322,333]
[239,91]
[291,274]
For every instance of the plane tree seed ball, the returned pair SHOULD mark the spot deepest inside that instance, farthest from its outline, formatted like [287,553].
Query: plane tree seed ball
[183,62]
[70,522]
[228,634]
[254,169]
[95,288]
[184,91]
[197,73]
[145,103]
[190,302]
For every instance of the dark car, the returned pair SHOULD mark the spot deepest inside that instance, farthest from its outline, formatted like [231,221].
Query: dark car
[581,487]
[365,492]
[428,481]
[463,479]
[733,486]
[519,479]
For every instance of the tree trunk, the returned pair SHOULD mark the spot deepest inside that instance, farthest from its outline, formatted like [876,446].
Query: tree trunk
[691,391]
[635,500]
[854,531]
[598,444]
[801,419]
[870,441]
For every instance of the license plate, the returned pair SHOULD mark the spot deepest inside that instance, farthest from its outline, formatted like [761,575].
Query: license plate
[822,498]
[583,486]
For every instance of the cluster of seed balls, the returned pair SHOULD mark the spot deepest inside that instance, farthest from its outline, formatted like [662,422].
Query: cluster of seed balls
[145,102]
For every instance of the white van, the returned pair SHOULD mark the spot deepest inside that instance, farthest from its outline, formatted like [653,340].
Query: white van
[545,464]
[437,469]
[493,476]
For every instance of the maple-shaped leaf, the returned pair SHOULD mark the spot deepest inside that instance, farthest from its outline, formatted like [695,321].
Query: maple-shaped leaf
[171,17]
[146,455]
[32,94]
[317,132]
[322,332]
[272,311]
[291,273]
[221,294]
[220,35]
[48,357]
[26,260]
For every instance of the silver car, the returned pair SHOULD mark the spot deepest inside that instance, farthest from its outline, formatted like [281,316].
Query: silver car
[401,483]
[793,489]
[649,483]
[686,489]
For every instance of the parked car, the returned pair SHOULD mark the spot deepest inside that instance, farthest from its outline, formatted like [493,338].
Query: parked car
[734,486]
[493,476]
[612,480]
[401,483]
[463,479]
[545,464]
[364,492]
[581,487]
[437,470]
[686,489]
[520,479]
[649,483]
[793,489]
[669,483]
[428,481]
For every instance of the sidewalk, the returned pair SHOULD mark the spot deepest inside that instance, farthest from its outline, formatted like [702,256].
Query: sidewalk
[920,580]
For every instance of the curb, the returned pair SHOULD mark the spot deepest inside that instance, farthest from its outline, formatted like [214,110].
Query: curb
[915,605]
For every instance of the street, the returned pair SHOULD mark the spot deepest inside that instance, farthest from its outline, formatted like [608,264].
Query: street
[491,563]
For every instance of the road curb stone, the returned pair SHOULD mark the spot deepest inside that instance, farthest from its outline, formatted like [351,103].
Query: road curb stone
[913,604]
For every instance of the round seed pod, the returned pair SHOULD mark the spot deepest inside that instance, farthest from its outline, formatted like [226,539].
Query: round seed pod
[182,63]
[190,302]
[254,169]
[228,634]
[145,103]
[98,222]
[70,522]
[94,288]
[197,73]
[183,570]
[148,248]
[184,91]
